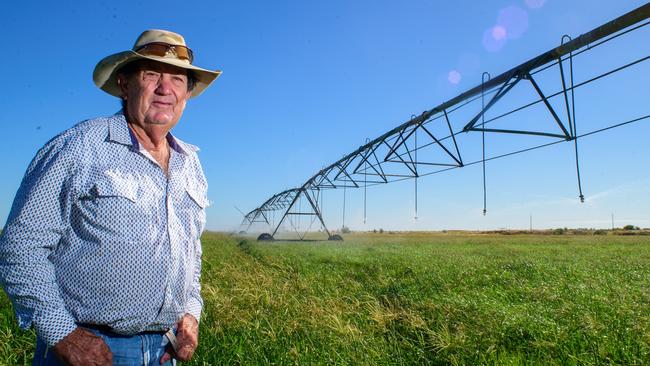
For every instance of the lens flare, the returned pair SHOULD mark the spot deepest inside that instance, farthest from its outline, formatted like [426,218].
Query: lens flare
[454,77]
[499,33]
[514,20]
[490,42]
[535,4]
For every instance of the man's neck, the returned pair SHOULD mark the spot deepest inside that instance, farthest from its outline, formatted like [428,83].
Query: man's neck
[155,140]
[155,143]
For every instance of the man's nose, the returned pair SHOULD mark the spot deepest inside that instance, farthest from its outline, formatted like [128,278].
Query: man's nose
[164,84]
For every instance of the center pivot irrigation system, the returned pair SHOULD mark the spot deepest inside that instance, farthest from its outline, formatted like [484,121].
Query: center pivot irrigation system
[398,155]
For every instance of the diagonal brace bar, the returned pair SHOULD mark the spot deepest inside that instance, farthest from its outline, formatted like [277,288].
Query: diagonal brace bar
[505,88]
[530,78]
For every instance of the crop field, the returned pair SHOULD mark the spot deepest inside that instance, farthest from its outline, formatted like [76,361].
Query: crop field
[416,298]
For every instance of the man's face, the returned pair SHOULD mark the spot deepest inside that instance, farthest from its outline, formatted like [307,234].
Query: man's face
[155,95]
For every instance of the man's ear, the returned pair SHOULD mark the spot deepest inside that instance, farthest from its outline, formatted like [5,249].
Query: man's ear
[122,82]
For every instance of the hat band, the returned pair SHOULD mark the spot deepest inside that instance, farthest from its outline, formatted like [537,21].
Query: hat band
[161,49]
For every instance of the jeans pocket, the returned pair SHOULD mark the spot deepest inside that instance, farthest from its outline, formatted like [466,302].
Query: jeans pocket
[43,356]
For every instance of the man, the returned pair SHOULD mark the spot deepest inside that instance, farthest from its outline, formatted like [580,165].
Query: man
[101,250]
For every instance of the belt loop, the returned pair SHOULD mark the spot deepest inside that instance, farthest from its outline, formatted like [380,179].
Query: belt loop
[145,349]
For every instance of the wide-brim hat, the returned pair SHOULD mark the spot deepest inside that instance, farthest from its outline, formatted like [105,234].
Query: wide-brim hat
[105,74]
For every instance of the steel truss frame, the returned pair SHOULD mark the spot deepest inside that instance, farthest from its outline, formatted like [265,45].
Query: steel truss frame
[393,156]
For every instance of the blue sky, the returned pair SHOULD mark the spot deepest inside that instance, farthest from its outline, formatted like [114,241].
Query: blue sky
[305,82]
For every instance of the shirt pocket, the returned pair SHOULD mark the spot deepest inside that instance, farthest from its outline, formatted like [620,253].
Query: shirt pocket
[113,211]
[198,197]
[192,211]
[120,188]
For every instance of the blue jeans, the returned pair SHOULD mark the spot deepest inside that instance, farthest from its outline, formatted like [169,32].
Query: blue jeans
[141,349]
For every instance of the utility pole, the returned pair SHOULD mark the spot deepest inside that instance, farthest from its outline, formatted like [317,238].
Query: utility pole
[531,223]
[612,221]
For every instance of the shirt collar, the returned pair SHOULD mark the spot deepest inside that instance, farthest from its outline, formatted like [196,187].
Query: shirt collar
[118,131]
[181,146]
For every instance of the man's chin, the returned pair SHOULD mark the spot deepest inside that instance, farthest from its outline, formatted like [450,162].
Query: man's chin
[160,119]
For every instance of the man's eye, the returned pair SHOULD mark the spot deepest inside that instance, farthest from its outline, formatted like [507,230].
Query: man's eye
[178,80]
[150,75]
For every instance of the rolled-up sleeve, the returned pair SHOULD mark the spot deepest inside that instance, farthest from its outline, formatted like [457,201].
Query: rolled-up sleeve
[36,223]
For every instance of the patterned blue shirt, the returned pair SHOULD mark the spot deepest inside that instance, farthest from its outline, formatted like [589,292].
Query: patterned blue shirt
[99,234]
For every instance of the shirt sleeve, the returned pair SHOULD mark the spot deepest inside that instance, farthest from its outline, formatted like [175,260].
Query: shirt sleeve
[195,302]
[36,223]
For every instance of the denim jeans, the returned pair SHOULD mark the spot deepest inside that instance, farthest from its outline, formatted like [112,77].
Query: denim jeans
[141,349]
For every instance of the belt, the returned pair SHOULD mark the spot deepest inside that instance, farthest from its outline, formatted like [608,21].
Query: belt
[171,337]
[107,329]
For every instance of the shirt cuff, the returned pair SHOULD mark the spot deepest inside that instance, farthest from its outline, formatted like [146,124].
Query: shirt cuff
[193,307]
[53,326]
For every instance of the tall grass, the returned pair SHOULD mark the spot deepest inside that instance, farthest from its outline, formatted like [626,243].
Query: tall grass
[442,299]
[417,299]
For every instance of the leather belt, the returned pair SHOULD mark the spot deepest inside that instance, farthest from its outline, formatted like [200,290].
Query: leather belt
[107,329]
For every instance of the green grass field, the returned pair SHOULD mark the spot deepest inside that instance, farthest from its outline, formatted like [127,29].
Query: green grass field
[417,299]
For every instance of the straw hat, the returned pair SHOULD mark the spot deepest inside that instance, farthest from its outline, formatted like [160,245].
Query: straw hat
[156,45]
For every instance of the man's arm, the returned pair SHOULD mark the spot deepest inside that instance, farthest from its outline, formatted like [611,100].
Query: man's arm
[36,224]
[187,329]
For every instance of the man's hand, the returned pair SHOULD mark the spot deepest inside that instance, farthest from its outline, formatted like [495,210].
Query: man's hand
[187,336]
[83,347]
